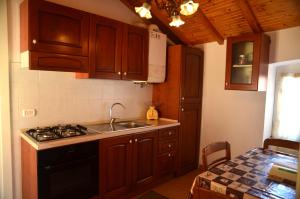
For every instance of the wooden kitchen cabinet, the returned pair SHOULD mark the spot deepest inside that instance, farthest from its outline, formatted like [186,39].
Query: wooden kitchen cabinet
[127,163]
[167,152]
[135,53]
[180,98]
[115,166]
[117,50]
[54,37]
[247,62]
[105,48]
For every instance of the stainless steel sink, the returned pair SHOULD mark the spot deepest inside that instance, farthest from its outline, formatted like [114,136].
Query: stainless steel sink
[131,124]
[106,127]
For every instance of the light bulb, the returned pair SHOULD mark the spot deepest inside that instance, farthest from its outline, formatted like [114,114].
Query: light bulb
[188,7]
[144,11]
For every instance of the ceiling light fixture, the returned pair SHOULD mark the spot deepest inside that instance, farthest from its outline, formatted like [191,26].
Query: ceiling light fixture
[176,20]
[187,7]
[144,10]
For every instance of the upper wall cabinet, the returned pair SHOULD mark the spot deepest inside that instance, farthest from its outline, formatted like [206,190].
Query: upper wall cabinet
[117,50]
[247,62]
[54,37]
[135,53]
[105,48]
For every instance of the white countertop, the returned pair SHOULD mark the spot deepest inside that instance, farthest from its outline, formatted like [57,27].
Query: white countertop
[154,125]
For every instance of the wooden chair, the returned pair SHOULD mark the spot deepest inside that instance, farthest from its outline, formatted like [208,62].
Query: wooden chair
[281,143]
[212,148]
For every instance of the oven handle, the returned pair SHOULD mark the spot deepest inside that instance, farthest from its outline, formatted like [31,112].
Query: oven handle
[54,166]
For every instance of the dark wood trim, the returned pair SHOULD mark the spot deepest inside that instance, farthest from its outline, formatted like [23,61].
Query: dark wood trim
[29,171]
[155,20]
[218,37]
[249,16]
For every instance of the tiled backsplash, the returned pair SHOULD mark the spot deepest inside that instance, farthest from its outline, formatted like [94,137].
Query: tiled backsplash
[59,97]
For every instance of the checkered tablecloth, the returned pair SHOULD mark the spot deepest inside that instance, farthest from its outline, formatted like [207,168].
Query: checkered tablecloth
[247,176]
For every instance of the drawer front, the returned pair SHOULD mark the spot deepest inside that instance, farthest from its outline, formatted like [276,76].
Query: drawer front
[167,146]
[166,164]
[168,133]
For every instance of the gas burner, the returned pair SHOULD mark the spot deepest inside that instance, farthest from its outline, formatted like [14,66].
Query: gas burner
[56,132]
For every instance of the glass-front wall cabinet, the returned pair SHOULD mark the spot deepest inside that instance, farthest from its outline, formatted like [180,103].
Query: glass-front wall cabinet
[247,62]
[242,63]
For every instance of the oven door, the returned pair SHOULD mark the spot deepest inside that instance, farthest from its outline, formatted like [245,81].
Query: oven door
[77,179]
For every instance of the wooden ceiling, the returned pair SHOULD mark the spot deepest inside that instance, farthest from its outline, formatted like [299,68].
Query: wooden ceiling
[216,20]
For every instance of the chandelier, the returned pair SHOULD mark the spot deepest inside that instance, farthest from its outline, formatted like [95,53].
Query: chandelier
[172,7]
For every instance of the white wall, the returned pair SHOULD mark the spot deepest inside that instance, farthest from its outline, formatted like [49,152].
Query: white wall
[238,116]
[60,98]
[5,131]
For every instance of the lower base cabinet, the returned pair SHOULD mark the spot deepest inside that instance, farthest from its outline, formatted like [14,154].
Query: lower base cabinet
[133,163]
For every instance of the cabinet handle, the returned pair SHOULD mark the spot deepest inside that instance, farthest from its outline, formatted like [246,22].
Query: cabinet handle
[182,109]
[125,73]
[182,98]
[226,83]
[130,141]
[169,145]
[119,73]
[34,41]
[169,154]
[170,133]
[135,140]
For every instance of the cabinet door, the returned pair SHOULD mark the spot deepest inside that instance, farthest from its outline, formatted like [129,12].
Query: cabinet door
[145,146]
[105,48]
[189,137]
[135,53]
[191,75]
[115,166]
[57,29]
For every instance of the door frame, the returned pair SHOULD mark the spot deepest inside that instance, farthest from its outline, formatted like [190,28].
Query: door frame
[6,173]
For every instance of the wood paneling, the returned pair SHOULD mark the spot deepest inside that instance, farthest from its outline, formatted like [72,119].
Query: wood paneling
[29,171]
[218,19]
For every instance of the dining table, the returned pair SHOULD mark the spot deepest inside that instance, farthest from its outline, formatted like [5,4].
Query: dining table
[246,177]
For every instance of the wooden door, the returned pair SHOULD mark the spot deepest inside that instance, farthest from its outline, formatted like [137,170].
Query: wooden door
[190,108]
[105,48]
[190,123]
[191,75]
[57,29]
[145,146]
[135,53]
[115,166]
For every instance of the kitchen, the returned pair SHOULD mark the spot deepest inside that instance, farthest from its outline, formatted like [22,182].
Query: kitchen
[59,98]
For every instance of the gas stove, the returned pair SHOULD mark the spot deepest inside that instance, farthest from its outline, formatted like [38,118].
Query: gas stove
[56,132]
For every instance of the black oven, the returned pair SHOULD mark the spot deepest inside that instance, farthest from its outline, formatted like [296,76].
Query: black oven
[68,172]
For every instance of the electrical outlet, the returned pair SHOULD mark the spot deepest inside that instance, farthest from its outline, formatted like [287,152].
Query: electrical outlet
[28,112]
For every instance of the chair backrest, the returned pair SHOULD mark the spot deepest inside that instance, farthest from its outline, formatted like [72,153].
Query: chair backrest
[281,143]
[212,148]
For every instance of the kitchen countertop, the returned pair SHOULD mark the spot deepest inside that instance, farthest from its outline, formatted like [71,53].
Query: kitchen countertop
[93,135]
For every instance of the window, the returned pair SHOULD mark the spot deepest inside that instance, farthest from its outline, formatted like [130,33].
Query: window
[286,115]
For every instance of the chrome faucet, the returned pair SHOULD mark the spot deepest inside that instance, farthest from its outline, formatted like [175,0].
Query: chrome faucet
[113,119]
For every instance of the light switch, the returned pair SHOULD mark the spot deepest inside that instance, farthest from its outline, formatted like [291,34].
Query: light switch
[28,112]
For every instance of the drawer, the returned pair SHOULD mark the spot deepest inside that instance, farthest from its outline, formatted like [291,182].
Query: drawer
[167,145]
[166,164]
[168,133]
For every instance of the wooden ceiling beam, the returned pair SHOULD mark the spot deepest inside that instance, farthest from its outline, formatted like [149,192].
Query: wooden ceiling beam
[249,15]
[155,20]
[218,37]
